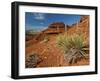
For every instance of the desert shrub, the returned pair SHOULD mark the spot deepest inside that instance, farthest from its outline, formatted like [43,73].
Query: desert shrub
[62,42]
[46,39]
[72,47]
[32,60]
[32,32]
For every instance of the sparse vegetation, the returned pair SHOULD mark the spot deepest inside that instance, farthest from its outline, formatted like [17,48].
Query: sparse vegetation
[46,39]
[32,32]
[58,45]
[72,47]
[32,60]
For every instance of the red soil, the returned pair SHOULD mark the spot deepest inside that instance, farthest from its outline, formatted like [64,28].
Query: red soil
[49,53]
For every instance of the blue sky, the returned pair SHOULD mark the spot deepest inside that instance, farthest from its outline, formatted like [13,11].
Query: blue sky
[42,20]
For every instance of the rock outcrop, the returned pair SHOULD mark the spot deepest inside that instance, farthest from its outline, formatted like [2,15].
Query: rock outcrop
[55,28]
[48,53]
[59,27]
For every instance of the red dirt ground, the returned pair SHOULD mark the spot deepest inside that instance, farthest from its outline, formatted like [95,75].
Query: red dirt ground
[49,53]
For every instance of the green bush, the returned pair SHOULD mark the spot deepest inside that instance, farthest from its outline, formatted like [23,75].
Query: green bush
[62,42]
[72,47]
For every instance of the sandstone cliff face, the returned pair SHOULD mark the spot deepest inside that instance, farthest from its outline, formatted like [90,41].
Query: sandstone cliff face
[55,28]
[60,27]
[49,53]
[81,26]
[84,18]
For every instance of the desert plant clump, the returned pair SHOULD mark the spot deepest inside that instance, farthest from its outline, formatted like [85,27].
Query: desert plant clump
[46,39]
[72,47]
[32,60]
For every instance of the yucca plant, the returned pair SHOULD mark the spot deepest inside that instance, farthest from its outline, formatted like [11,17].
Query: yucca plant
[72,47]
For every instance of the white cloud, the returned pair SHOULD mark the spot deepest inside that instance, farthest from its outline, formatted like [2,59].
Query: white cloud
[39,16]
[41,23]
